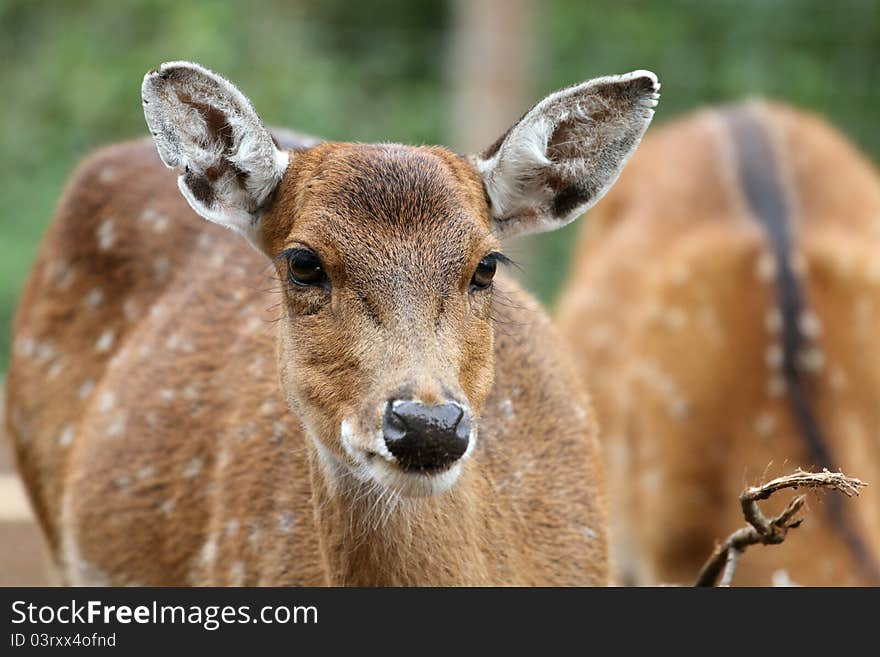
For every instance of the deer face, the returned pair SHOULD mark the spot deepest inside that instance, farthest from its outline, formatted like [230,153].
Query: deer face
[387,257]
[387,253]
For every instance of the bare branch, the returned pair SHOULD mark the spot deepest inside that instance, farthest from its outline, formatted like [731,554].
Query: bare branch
[733,555]
[769,531]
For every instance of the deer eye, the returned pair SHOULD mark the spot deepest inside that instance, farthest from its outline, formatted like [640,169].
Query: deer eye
[485,272]
[304,269]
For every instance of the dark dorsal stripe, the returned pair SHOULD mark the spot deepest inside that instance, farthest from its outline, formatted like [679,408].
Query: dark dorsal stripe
[758,171]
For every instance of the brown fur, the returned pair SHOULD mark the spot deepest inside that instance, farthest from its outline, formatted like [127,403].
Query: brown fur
[670,310]
[158,447]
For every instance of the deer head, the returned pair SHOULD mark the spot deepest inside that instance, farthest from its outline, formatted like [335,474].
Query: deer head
[387,254]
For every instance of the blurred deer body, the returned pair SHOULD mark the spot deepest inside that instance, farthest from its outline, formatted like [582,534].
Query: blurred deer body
[385,414]
[722,307]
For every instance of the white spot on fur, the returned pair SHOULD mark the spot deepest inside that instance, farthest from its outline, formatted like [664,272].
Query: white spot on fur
[172,342]
[773,320]
[122,481]
[245,432]
[204,242]
[105,341]
[66,436]
[232,527]
[256,367]
[507,408]
[223,456]
[117,427]
[146,472]
[158,310]
[766,267]
[193,467]
[255,534]
[45,352]
[107,175]
[209,550]
[776,386]
[167,395]
[279,429]
[55,370]
[18,425]
[156,219]
[674,319]
[765,424]
[781,578]
[161,266]
[65,277]
[95,298]
[679,409]
[236,574]
[773,356]
[589,532]
[810,325]
[167,507]
[105,235]
[148,215]
[285,522]
[813,359]
[86,388]
[129,309]
[107,401]
[25,346]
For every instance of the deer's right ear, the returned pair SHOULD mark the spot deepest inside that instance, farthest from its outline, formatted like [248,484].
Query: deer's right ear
[562,156]
[208,131]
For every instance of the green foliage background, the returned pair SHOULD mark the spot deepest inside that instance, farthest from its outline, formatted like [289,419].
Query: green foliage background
[70,74]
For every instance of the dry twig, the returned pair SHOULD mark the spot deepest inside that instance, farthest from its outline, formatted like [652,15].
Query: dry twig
[769,531]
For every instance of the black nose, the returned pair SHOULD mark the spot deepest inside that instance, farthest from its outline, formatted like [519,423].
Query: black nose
[424,437]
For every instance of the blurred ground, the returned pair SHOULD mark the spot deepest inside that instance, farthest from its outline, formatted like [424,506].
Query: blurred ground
[22,555]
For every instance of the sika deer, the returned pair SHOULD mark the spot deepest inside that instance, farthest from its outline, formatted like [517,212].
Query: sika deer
[407,419]
[723,309]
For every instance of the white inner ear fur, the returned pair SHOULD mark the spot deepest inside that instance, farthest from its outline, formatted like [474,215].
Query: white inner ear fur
[517,175]
[206,129]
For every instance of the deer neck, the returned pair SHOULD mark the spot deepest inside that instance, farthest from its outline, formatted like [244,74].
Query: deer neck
[371,537]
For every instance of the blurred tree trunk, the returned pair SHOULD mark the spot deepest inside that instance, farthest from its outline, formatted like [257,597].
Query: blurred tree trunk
[492,75]
[493,49]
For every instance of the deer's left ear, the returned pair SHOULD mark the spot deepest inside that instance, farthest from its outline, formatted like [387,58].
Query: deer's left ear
[564,154]
[205,128]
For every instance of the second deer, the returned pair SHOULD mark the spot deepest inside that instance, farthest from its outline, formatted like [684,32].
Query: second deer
[724,305]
